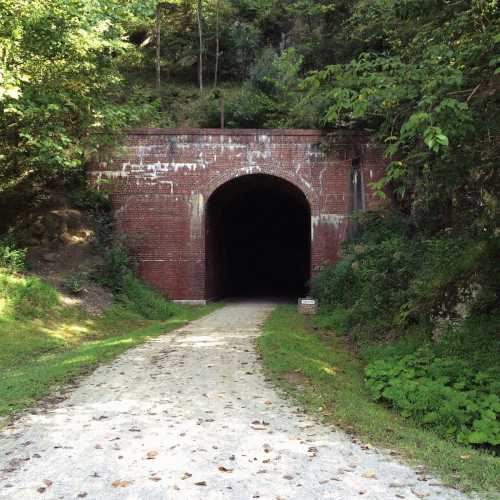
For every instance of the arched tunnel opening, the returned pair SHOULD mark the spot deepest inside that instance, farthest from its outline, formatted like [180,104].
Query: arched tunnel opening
[258,239]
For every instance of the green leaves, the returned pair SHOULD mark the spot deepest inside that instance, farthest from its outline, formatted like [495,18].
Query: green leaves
[60,79]
[432,391]
[422,78]
[414,124]
[435,139]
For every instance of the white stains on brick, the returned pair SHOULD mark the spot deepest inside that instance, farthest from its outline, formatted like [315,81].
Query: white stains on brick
[196,207]
[332,220]
[250,169]
[170,184]
[259,155]
[322,172]
[305,182]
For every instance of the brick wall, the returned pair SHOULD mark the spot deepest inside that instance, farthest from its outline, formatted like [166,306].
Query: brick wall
[161,179]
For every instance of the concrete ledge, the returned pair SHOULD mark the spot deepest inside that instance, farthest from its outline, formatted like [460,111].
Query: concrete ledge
[191,302]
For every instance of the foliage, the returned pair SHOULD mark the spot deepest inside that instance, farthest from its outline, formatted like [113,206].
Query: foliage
[144,300]
[332,386]
[242,108]
[427,84]
[264,100]
[391,277]
[74,284]
[60,87]
[334,285]
[97,207]
[115,269]
[446,394]
[21,296]
[424,311]
[89,199]
[11,258]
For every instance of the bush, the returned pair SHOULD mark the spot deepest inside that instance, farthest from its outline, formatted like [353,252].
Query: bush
[98,207]
[144,300]
[90,199]
[11,258]
[242,109]
[115,268]
[335,285]
[448,395]
[74,284]
[391,280]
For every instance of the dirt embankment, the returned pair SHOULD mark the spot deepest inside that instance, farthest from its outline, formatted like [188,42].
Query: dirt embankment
[60,242]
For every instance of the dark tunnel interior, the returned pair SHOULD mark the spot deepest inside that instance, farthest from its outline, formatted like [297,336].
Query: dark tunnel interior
[258,239]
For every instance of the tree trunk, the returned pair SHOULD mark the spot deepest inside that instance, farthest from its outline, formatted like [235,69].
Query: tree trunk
[221,111]
[158,39]
[199,13]
[216,71]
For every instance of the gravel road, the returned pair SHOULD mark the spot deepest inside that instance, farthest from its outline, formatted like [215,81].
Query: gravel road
[190,415]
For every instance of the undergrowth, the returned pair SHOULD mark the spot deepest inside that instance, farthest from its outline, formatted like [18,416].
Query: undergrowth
[335,389]
[423,312]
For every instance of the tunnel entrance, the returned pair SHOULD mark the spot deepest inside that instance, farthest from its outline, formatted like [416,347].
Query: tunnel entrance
[258,239]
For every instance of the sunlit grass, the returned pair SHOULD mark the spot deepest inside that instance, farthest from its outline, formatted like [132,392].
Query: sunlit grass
[43,351]
[335,390]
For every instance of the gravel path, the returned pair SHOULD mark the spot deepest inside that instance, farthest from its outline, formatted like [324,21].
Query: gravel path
[189,415]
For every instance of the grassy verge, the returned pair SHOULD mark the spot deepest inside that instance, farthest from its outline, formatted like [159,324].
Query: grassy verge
[44,345]
[335,389]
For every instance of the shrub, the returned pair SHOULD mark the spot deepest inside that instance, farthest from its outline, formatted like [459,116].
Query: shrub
[242,109]
[98,207]
[144,300]
[74,284]
[373,281]
[448,394]
[335,285]
[11,257]
[90,200]
[391,280]
[115,268]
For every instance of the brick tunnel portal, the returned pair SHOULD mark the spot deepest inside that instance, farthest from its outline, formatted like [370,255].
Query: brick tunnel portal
[258,239]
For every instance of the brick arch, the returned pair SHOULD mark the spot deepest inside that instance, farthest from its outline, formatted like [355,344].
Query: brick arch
[306,190]
[162,178]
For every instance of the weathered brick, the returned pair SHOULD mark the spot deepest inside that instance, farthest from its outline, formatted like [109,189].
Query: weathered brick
[161,180]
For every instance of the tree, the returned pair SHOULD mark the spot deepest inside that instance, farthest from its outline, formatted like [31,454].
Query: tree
[199,16]
[158,45]
[59,95]
[217,44]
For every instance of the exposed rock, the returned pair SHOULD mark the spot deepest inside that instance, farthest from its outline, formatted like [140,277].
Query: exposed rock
[49,257]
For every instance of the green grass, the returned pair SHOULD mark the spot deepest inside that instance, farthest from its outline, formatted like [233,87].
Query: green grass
[44,345]
[335,389]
